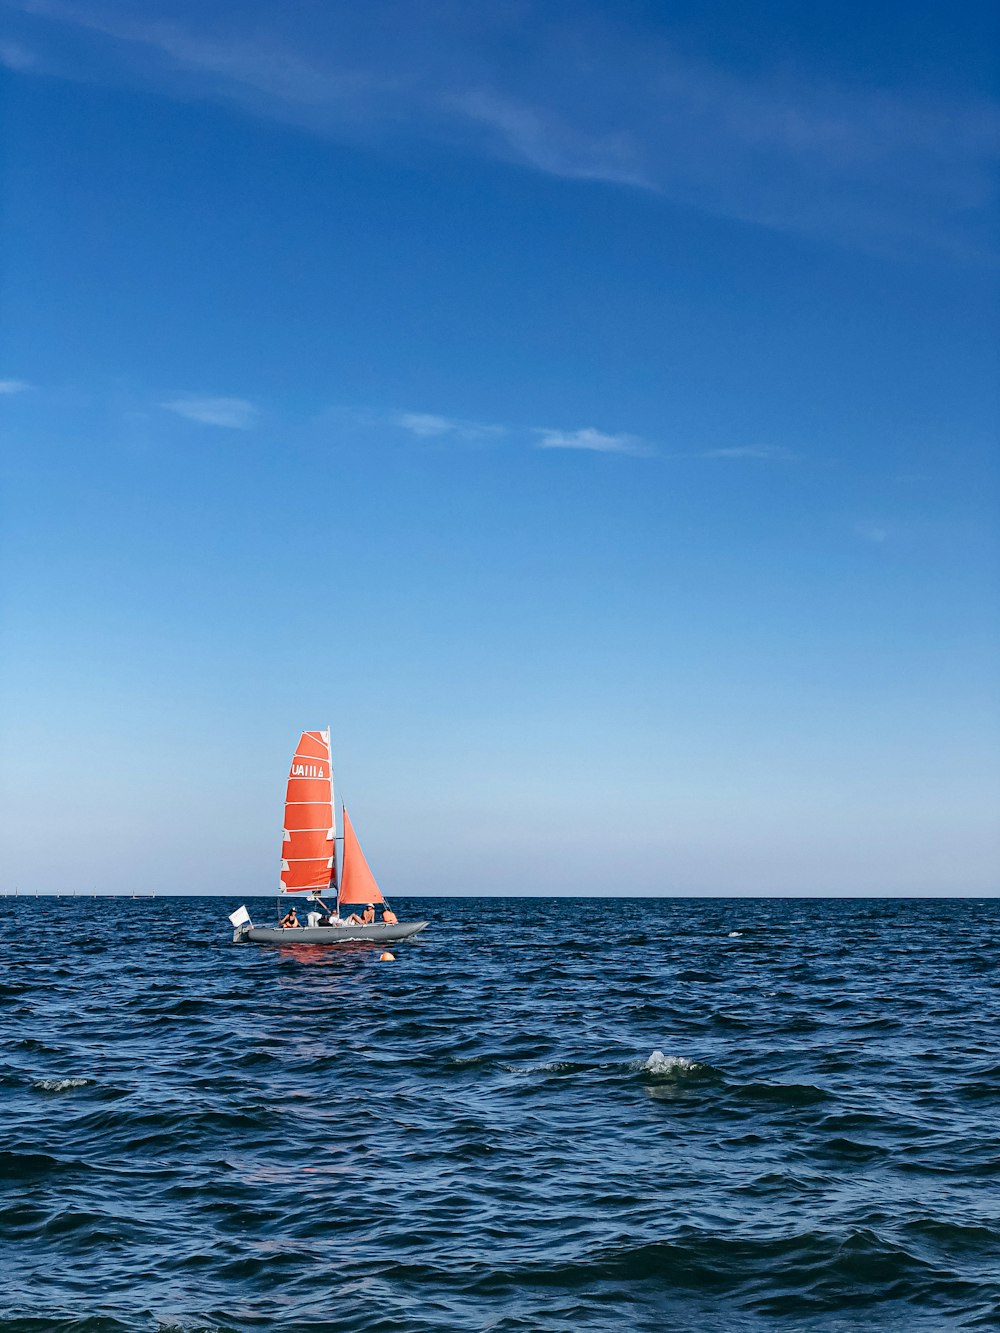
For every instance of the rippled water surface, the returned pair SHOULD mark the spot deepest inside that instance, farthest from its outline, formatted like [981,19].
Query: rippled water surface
[563,1115]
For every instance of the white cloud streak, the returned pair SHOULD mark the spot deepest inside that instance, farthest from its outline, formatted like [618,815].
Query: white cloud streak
[594,441]
[456,430]
[13,386]
[233,413]
[428,425]
[891,170]
[551,143]
[423,423]
[761,452]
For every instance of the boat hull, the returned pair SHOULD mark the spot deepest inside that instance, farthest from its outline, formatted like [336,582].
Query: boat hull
[375,934]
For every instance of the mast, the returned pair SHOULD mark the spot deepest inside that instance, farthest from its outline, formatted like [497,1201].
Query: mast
[335,877]
[338,869]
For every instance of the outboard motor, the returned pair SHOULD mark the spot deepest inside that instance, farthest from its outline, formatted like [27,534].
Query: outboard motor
[242,924]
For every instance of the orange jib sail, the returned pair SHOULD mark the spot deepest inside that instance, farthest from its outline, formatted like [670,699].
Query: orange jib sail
[308,846]
[357,883]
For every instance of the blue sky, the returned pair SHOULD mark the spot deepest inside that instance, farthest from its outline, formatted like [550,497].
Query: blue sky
[588,410]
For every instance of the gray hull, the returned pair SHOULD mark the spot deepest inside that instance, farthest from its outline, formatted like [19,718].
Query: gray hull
[376,934]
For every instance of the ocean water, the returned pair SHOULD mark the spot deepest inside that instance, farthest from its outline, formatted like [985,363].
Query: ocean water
[546,1114]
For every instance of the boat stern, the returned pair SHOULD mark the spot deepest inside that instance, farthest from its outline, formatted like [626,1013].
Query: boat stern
[242,925]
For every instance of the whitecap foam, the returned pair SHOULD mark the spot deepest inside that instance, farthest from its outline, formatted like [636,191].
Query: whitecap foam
[735,935]
[59,1084]
[668,1066]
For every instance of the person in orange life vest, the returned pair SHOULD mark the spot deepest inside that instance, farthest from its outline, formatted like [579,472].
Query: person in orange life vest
[389,917]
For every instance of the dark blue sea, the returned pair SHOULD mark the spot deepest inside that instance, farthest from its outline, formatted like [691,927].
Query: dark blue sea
[544,1115]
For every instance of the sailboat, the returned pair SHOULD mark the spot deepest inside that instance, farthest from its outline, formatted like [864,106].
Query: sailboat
[310,864]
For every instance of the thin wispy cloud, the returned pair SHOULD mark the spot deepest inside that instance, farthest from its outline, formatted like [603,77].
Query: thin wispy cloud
[600,98]
[423,423]
[233,413]
[428,425]
[13,386]
[594,441]
[551,142]
[761,452]
[458,431]
[877,533]
[15,56]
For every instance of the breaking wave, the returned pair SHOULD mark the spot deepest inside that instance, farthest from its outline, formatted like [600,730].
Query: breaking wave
[657,1065]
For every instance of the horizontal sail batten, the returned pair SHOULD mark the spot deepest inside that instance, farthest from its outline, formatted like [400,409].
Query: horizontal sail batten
[307,863]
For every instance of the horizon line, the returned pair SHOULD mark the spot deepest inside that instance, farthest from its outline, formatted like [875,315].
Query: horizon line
[888,895]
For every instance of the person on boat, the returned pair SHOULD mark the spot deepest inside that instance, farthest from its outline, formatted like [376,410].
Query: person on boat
[312,919]
[289,920]
[389,917]
[368,915]
[354,920]
[331,918]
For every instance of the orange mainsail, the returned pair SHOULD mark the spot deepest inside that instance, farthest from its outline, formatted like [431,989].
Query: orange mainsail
[357,883]
[308,852]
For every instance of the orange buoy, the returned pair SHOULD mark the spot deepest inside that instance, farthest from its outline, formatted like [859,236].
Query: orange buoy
[388,957]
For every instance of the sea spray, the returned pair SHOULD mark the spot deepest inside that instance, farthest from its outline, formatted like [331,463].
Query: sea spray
[657,1065]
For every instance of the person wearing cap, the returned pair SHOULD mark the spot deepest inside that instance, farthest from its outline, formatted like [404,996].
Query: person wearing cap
[289,920]
[368,915]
